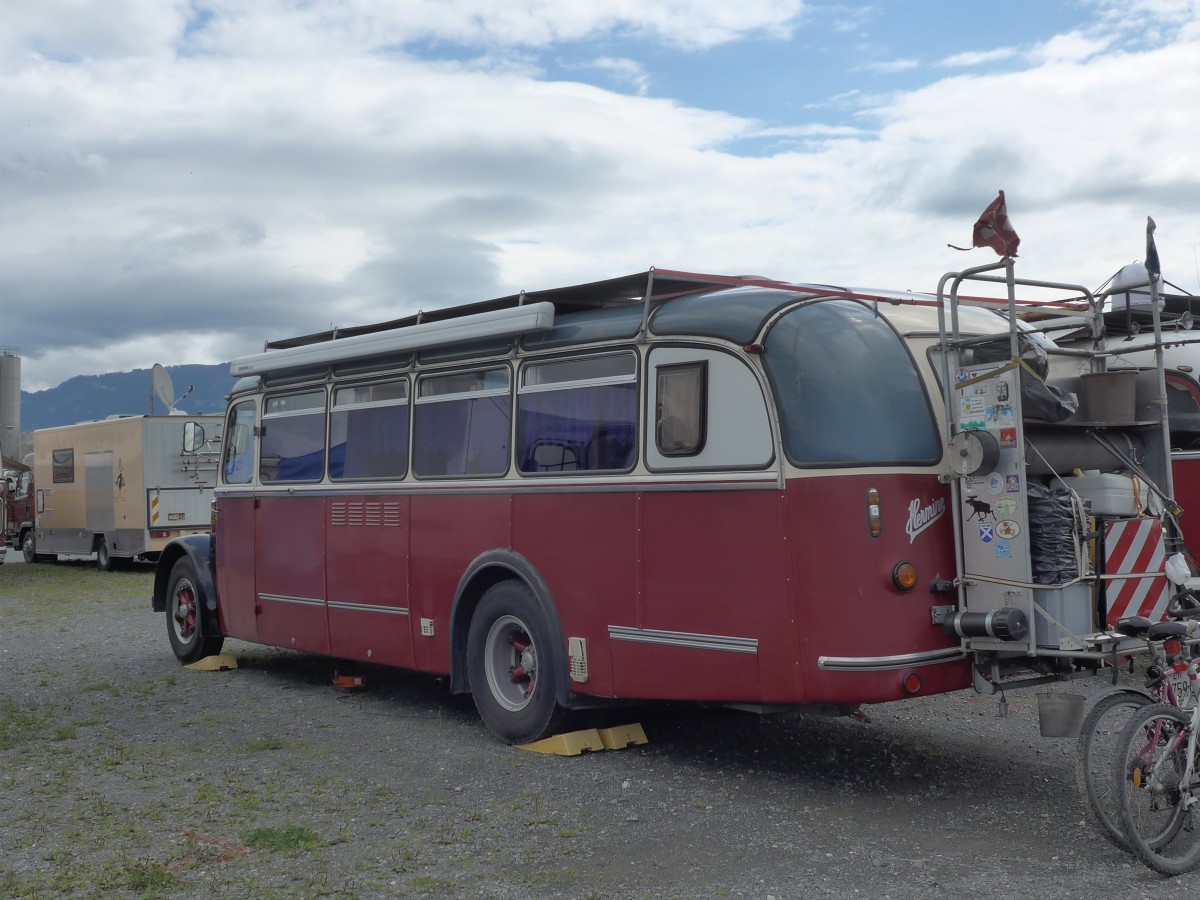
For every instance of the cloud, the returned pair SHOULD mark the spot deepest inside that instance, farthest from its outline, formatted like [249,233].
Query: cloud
[892,66]
[1072,47]
[217,181]
[625,71]
[76,29]
[978,57]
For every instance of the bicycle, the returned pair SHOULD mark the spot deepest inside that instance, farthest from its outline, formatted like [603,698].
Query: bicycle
[1159,783]
[1102,728]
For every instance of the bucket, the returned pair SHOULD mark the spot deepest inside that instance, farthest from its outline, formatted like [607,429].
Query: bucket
[1110,397]
[1059,715]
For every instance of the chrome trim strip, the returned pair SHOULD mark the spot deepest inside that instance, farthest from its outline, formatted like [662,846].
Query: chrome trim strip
[299,601]
[540,484]
[880,663]
[368,607]
[683,639]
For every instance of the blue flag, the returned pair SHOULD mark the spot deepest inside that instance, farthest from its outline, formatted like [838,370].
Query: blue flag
[1152,264]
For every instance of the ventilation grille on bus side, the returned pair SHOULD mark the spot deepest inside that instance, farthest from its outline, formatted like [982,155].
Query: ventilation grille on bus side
[360,512]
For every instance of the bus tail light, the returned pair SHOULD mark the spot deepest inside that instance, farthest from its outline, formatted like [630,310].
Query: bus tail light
[904,575]
[874,519]
[911,683]
[160,533]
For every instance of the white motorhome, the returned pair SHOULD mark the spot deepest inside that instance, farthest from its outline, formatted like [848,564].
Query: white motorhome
[121,488]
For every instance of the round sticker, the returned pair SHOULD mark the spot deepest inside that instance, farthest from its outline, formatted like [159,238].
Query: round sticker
[1006,506]
[1007,529]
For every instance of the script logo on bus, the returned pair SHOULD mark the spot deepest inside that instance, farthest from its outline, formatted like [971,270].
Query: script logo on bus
[921,517]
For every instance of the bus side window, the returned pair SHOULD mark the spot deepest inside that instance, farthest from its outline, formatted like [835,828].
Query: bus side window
[708,410]
[368,431]
[461,424]
[293,438]
[578,414]
[682,400]
[238,463]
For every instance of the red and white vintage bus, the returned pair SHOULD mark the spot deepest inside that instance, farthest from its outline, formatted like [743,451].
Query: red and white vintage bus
[662,486]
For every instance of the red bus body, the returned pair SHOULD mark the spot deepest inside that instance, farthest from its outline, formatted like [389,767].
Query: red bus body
[661,487]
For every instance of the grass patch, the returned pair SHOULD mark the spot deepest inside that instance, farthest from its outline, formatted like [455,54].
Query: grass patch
[264,743]
[150,879]
[54,595]
[20,724]
[288,839]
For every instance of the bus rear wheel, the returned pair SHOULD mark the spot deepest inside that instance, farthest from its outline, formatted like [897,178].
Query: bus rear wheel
[187,627]
[509,665]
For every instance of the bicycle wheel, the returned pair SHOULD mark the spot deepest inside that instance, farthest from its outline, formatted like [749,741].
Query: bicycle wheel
[1158,813]
[1095,755]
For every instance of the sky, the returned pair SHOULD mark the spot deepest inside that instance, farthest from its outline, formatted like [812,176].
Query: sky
[182,180]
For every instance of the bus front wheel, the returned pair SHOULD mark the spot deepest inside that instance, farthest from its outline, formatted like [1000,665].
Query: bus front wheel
[508,664]
[186,624]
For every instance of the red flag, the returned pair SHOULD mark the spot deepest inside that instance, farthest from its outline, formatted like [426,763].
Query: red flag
[994,230]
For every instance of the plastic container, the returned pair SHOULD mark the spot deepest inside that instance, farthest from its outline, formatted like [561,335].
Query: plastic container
[1110,493]
[1070,608]
[1109,397]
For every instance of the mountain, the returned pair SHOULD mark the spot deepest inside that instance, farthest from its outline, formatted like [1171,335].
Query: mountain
[88,397]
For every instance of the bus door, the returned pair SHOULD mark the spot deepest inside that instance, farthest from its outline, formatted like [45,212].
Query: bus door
[235,524]
[289,524]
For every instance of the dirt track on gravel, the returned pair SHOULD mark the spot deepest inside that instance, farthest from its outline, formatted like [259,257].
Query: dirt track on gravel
[122,774]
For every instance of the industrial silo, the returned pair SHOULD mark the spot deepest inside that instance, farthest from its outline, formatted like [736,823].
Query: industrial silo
[10,402]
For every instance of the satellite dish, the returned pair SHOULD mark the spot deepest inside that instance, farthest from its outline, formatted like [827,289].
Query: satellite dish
[164,390]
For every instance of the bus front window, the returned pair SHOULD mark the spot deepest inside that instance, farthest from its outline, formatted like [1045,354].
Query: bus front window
[238,464]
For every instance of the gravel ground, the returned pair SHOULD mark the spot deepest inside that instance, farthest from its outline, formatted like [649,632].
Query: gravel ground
[122,774]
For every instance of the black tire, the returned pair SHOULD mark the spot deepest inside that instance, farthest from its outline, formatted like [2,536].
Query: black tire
[104,560]
[1162,828]
[509,664]
[187,624]
[29,550]
[1095,755]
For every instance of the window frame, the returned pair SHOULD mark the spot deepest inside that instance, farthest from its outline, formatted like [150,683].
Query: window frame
[530,364]
[59,469]
[265,416]
[484,392]
[700,367]
[405,401]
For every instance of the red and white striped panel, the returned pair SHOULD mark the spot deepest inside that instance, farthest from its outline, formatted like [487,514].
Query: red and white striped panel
[1135,545]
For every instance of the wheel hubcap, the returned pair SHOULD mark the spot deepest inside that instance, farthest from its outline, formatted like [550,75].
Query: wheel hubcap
[511,663]
[185,611]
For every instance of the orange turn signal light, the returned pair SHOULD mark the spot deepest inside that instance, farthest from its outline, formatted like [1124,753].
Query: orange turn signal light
[904,575]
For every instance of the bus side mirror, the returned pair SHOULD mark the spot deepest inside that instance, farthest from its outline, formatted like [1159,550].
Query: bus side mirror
[193,437]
